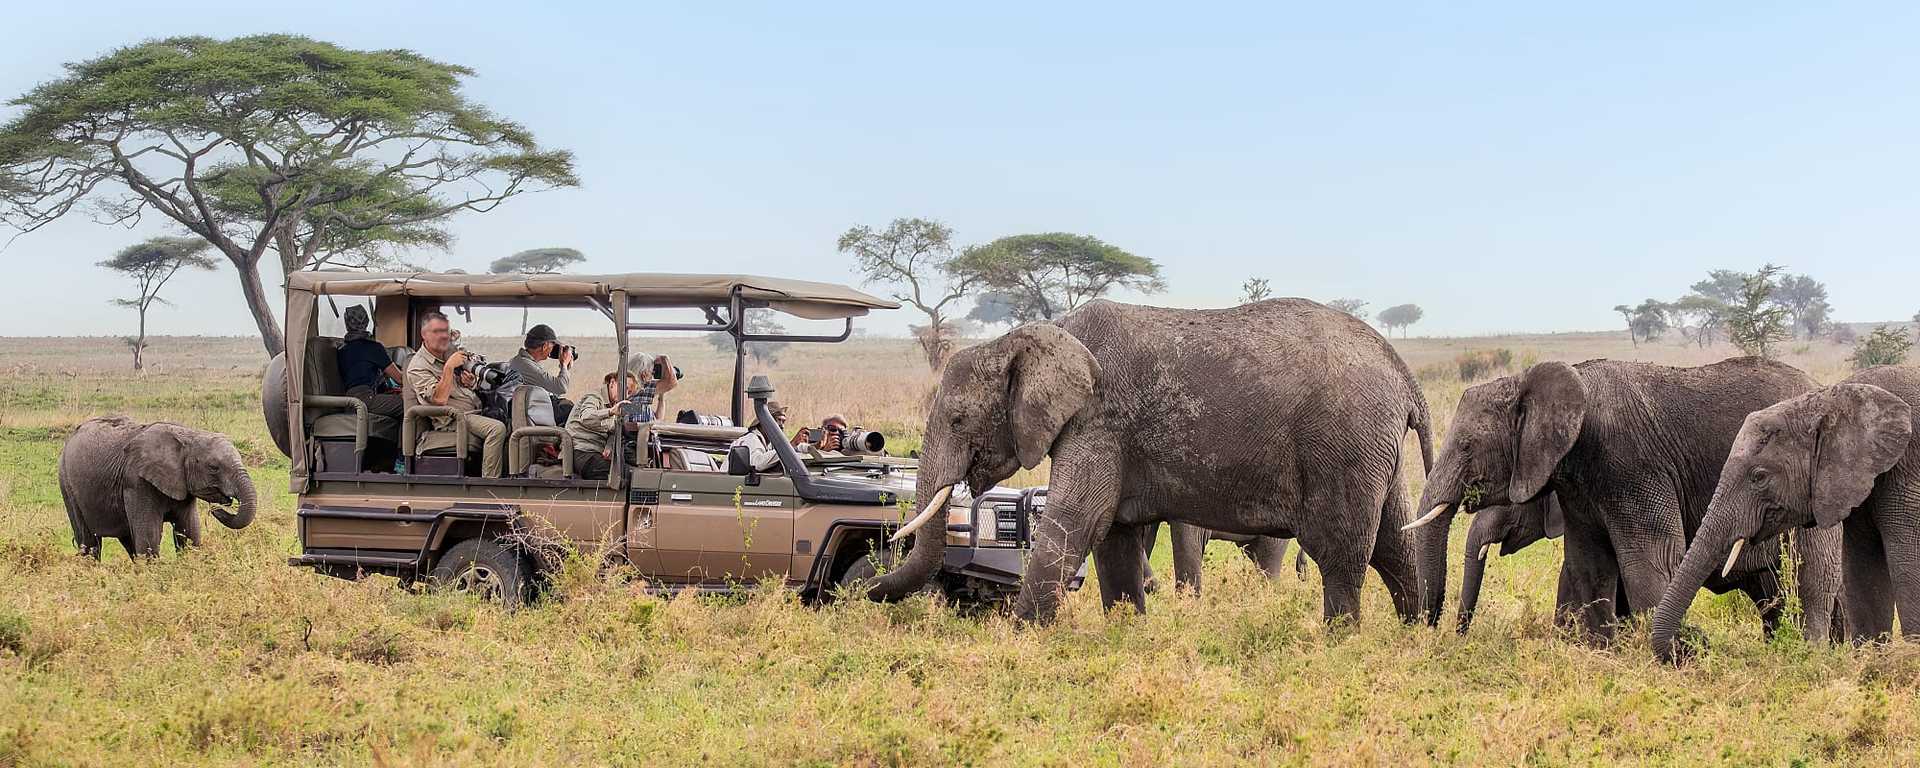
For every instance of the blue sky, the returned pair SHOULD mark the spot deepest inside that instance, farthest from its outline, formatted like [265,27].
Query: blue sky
[1510,167]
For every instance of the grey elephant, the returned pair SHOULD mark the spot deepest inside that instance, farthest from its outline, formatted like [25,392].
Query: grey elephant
[1280,418]
[1268,553]
[1633,452]
[1840,460]
[1513,528]
[122,479]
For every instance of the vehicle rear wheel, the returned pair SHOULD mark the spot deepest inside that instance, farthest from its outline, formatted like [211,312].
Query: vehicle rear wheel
[486,569]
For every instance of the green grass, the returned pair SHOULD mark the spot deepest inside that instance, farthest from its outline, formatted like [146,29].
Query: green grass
[227,656]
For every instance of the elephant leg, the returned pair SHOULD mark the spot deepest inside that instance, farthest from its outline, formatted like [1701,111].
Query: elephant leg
[186,528]
[83,539]
[1117,560]
[1080,507]
[1866,583]
[1590,589]
[1189,550]
[1900,547]
[1395,553]
[1342,555]
[1817,571]
[144,518]
[1151,537]
[1269,553]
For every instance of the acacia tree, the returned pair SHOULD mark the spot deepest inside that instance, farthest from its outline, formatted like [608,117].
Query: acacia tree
[1254,289]
[1054,273]
[151,264]
[535,261]
[915,257]
[1805,300]
[1755,323]
[1706,315]
[999,307]
[1649,319]
[268,142]
[1626,314]
[1354,307]
[1400,316]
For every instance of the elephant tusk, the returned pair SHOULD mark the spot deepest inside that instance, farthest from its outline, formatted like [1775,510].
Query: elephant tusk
[1426,518]
[1732,556]
[937,504]
[1484,549]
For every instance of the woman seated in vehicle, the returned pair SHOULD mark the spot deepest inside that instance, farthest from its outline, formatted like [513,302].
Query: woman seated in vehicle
[593,424]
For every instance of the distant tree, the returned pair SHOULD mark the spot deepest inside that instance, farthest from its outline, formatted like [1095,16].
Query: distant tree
[1400,316]
[1626,315]
[1001,308]
[1754,322]
[1054,273]
[1805,300]
[268,142]
[1706,316]
[1886,345]
[151,264]
[1650,319]
[915,258]
[1843,335]
[1254,289]
[1354,307]
[759,321]
[535,261]
[1722,285]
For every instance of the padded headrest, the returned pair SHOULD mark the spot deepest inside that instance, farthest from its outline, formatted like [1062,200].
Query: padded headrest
[321,373]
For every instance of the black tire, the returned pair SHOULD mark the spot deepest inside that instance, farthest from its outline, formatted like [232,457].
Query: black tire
[863,570]
[485,568]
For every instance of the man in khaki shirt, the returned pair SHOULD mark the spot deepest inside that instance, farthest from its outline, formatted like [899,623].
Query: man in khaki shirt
[436,379]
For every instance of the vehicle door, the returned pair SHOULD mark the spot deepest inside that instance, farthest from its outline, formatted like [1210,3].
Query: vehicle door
[712,527]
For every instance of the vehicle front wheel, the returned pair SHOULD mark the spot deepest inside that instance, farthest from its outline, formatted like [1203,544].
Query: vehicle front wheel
[486,569]
[863,571]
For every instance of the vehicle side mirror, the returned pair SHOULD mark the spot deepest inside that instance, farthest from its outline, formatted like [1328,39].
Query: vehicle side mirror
[739,461]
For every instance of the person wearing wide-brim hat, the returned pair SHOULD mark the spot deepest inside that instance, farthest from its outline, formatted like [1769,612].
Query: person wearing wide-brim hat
[760,450]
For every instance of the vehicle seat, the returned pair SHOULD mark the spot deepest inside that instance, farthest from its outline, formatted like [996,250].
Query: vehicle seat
[524,438]
[340,425]
[691,460]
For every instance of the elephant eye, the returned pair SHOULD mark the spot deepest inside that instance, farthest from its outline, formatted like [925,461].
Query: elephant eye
[1758,475]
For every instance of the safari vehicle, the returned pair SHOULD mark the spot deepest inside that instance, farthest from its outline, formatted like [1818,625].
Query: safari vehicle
[679,506]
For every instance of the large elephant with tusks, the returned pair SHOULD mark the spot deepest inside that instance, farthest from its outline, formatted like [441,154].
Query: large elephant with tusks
[1281,418]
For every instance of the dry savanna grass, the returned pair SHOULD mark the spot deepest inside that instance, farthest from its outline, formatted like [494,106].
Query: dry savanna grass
[227,656]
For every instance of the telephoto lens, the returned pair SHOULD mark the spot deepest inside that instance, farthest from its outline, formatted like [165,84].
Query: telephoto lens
[859,440]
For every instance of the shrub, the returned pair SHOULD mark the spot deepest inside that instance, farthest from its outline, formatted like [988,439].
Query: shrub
[1887,345]
[1475,363]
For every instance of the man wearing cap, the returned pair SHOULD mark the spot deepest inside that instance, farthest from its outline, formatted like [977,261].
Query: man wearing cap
[543,344]
[365,367]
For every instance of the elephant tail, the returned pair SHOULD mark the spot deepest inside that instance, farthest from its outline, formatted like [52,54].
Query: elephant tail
[1422,425]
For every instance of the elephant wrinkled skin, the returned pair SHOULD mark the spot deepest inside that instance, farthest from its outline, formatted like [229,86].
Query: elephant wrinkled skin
[1281,418]
[1837,461]
[1633,453]
[123,480]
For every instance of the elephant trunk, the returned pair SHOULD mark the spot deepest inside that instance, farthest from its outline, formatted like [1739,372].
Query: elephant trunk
[1438,503]
[1709,550]
[240,487]
[1476,570]
[929,540]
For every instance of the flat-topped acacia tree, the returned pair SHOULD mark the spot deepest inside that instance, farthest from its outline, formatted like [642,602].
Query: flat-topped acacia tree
[151,264]
[322,154]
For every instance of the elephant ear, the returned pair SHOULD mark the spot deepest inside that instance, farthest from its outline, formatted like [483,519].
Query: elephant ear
[1049,379]
[1863,431]
[157,456]
[1553,521]
[1550,408]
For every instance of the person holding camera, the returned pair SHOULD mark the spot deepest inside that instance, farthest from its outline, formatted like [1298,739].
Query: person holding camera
[657,375]
[439,375]
[541,345]
[827,437]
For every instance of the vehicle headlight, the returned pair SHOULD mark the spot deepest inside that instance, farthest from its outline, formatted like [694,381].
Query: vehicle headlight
[963,515]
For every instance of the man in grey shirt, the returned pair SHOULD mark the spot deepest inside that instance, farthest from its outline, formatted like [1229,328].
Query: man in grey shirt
[543,344]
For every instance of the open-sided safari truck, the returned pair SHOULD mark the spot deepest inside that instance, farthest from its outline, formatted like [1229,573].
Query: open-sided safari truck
[679,506]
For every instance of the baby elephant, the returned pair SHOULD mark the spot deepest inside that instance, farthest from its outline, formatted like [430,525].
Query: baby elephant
[122,479]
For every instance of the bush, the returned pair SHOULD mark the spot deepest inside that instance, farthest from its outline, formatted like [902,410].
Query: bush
[1475,363]
[1887,345]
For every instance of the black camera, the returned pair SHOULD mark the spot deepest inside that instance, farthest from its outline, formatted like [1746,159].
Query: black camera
[569,349]
[660,371]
